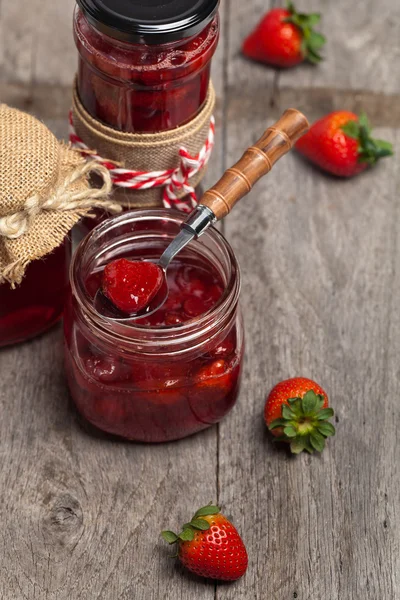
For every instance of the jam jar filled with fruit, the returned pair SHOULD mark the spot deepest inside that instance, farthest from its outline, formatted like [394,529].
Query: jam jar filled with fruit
[144,65]
[143,70]
[37,302]
[169,374]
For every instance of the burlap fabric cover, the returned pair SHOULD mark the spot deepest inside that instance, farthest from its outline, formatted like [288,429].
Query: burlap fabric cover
[144,151]
[44,191]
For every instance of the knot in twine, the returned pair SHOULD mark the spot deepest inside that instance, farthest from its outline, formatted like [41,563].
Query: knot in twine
[64,198]
[174,181]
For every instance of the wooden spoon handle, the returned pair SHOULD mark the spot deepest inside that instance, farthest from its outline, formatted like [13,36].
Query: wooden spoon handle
[256,162]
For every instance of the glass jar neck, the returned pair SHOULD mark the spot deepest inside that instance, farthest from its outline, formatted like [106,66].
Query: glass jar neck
[144,57]
[153,229]
[142,88]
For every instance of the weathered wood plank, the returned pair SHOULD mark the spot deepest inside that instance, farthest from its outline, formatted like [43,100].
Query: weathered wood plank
[246,78]
[319,260]
[81,515]
[362,50]
[359,72]
[36,42]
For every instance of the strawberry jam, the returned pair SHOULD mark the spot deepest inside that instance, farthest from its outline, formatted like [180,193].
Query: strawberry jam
[37,303]
[169,374]
[141,69]
[144,67]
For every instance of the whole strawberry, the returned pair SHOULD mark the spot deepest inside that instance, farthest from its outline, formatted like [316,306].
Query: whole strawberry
[341,144]
[210,546]
[285,38]
[296,411]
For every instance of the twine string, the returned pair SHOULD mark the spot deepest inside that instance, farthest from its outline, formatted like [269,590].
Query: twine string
[173,181]
[63,198]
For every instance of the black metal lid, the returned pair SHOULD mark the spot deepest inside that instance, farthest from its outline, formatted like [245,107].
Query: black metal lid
[149,21]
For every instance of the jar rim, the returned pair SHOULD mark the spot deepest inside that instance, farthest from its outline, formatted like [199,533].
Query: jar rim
[169,336]
[139,22]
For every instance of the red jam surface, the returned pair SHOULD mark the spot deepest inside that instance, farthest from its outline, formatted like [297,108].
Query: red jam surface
[131,284]
[156,399]
[139,87]
[37,303]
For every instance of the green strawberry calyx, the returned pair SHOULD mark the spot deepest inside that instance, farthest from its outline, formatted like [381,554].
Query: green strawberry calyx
[304,423]
[312,41]
[370,150]
[189,529]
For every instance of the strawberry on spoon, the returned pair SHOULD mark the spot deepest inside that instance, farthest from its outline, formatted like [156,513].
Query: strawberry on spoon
[131,284]
[210,546]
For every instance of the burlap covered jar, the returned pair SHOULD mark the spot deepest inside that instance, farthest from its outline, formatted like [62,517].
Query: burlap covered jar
[44,191]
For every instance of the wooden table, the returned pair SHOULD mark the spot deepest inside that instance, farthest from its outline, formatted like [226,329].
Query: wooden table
[80,515]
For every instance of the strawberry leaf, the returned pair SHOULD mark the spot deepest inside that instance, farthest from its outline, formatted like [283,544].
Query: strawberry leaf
[316,40]
[308,447]
[326,429]
[298,445]
[312,41]
[351,129]
[201,524]
[325,413]
[313,19]
[317,441]
[287,412]
[295,407]
[290,7]
[313,57]
[186,535]
[169,536]
[290,431]
[369,149]
[384,148]
[207,510]
[277,423]
[309,403]
[363,120]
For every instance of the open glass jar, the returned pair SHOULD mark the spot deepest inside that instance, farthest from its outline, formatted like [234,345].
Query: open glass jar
[156,379]
[37,303]
[144,65]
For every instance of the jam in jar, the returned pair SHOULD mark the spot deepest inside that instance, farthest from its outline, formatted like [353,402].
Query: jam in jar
[37,303]
[170,374]
[144,65]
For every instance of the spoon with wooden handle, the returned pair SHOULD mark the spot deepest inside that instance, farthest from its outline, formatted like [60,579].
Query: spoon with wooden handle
[218,201]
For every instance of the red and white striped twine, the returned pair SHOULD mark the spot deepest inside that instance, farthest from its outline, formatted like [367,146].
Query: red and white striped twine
[174,181]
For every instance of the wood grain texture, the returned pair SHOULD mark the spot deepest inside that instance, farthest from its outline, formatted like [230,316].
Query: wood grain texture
[318,257]
[36,42]
[81,514]
[319,260]
[362,50]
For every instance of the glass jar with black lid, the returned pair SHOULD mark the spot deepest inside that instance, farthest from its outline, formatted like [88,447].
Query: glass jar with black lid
[144,65]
